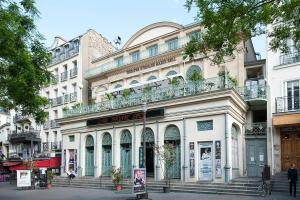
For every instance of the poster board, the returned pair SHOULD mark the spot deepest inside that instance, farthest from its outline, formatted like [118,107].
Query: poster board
[23,178]
[205,162]
[139,180]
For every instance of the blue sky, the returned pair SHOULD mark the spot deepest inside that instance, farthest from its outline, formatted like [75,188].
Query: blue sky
[70,18]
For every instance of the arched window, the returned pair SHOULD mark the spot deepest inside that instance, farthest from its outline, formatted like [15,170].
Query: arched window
[234,147]
[172,72]
[106,140]
[118,86]
[172,133]
[192,70]
[89,141]
[133,82]
[149,135]
[125,137]
[151,78]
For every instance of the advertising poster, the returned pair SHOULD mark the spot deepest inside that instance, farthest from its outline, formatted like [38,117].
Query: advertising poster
[139,180]
[23,178]
[218,159]
[192,159]
[205,162]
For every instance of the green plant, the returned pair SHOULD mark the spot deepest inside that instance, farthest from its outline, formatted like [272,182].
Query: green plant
[167,157]
[231,78]
[116,176]
[126,93]
[109,96]
[195,76]
[174,81]
[66,108]
[50,176]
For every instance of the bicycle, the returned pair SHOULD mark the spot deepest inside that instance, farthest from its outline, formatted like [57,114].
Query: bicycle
[264,188]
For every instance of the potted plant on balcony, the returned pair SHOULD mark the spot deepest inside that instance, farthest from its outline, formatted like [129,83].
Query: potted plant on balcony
[174,83]
[233,80]
[167,157]
[49,178]
[117,178]
[196,79]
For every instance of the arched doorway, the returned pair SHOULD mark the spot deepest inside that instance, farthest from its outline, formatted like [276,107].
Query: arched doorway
[125,144]
[172,135]
[89,156]
[149,152]
[106,154]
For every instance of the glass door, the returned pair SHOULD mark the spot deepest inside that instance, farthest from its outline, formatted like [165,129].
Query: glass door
[293,95]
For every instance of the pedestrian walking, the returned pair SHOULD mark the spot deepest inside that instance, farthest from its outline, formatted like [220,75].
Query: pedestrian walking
[293,178]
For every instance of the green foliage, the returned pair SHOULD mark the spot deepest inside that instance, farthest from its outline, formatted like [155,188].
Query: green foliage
[195,76]
[174,81]
[116,176]
[232,79]
[66,108]
[167,157]
[126,93]
[226,24]
[23,59]
[109,96]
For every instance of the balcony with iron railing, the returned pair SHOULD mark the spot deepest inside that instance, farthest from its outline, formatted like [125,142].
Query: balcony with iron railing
[289,58]
[256,129]
[24,136]
[155,94]
[73,97]
[20,118]
[66,98]
[46,125]
[254,94]
[127,60]
[57,101]
[55,79]
[287,104]
[65,55]
[47,146]
[64,76]
[73,72]
[54,124]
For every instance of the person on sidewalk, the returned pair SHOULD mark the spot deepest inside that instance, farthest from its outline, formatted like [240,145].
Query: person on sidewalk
[293,178]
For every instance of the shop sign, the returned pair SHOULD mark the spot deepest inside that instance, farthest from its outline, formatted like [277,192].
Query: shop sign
[23,178]
[139,180]
[126,117]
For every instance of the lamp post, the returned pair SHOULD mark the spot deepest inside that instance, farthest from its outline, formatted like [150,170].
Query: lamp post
[145,195]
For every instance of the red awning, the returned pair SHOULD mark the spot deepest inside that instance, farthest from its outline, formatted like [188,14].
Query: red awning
[10,163]
[49,163]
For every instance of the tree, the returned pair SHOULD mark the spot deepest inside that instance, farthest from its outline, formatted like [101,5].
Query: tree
[225,24]
[23,60]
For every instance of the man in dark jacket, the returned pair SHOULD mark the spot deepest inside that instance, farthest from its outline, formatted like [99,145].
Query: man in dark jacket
[293,178]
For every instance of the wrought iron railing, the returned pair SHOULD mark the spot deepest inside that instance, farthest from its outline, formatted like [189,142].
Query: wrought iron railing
[256,129]
[55,79]
[54,124]
[20,117]
[57,101]
[46,125]
[154,95]
[73,72]
[289,58]
[70,53]
[163,48]
[30,134]
[64,76]
[253,92]
[287,104]
[66,98]
[73,97]
[51,146]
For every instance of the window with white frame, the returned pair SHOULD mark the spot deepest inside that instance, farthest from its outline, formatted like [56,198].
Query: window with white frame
[135,56]
[292,95]
[153,50]
[234,148]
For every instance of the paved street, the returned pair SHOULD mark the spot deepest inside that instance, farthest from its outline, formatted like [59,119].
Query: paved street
[9,192]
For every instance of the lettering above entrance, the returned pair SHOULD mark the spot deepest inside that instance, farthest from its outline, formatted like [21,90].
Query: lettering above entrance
[126,117]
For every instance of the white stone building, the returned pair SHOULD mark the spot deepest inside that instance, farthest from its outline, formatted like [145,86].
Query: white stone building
[212,121]
[69,62]
[284,118]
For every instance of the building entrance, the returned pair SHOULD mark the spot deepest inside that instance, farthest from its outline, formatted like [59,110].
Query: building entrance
[290,149]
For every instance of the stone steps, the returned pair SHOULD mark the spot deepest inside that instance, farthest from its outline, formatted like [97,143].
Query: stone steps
[237,187]
[280,182]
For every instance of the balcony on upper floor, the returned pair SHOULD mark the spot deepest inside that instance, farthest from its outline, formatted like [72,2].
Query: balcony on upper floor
[66,98]
[150,93]
[46,125]
[64,76]
[55,79]
[47,146]
[256,129]
[74,72]
[64,55]
[54,124]
[24,136]
[18,118]
[287,104]
[255,94]
[57,101]
[73,97]
[289,58]
[167,47]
